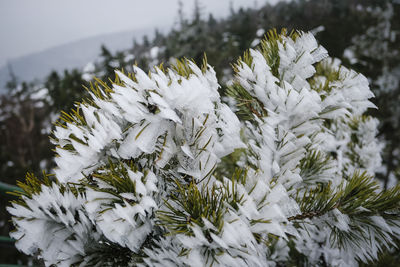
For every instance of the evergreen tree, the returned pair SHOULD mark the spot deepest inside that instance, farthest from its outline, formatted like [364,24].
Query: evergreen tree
[376,52]
[64,90]
[154,170]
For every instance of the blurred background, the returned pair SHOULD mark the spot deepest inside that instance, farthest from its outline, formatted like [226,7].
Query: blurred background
[50,49]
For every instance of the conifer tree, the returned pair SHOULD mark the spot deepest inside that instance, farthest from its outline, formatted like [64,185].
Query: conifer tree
[154,170]
[375,53]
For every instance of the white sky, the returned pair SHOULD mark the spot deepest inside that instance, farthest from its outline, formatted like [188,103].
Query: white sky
[28,26]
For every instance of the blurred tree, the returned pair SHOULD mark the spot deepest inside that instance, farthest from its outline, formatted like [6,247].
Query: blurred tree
[24,146]
[65,90]
[375,52]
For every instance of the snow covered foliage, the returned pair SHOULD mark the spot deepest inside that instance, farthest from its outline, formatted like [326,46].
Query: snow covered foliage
[154,170]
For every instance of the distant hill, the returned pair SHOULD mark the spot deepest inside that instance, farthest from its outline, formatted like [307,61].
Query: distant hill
[72,55]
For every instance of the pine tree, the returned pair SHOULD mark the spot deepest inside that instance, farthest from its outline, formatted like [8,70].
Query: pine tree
[154,170]
[375,52]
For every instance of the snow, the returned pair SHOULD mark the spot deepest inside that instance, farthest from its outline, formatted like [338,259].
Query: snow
[46,224]
[349,54]
[318,29]
[260,32]
[136,145]
[89,67]
[154,51]
[40,94]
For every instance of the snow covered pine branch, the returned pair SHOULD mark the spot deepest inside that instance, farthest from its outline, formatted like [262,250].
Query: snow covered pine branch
[154,170]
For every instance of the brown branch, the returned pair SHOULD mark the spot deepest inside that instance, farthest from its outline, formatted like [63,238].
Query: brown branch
[253,110]
[311,214]
[307,215]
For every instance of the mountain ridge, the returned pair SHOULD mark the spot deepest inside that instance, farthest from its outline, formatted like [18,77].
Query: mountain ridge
[75,54]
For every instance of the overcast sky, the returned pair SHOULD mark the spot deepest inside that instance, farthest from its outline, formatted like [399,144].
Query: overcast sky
[28,26]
